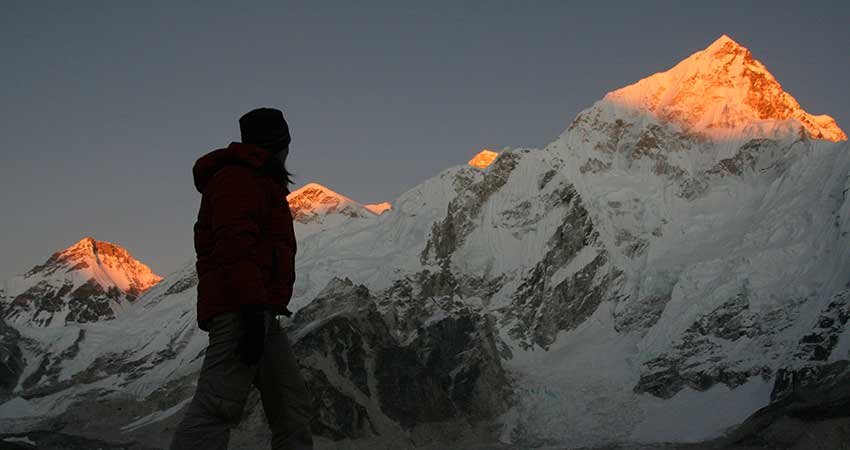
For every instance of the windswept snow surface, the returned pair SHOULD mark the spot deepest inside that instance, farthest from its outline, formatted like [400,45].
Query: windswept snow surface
[580,392]
[18,408]
[23,440]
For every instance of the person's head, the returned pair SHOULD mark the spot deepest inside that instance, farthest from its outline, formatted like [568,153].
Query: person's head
[266,128]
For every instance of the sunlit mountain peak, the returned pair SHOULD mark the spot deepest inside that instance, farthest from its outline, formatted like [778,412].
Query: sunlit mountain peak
[378,208]
[313,201]
[87,282]
[110,264]
[483,159]
[721,91]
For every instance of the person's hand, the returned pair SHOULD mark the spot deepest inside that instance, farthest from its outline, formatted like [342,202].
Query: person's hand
[252,341]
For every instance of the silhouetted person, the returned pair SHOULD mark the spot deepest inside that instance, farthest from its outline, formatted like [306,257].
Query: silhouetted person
[245,247]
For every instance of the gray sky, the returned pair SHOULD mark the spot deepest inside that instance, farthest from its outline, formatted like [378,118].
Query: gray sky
[105,106]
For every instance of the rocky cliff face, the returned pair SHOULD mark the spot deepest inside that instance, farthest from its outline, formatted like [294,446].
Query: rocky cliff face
[371,378]
[11,360]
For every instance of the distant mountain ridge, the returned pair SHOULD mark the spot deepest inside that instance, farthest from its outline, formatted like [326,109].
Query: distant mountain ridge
[89,281]
[313,202]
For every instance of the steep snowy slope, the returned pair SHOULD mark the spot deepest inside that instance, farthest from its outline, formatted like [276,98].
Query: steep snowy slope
[655,274]
[89,281]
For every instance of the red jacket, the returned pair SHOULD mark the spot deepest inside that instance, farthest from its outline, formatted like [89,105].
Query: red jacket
[244,239]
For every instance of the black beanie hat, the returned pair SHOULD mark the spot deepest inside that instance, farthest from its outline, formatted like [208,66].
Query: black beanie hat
[265,126]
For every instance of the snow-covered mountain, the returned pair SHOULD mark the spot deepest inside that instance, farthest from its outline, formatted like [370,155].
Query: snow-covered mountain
[317,208]
[88,281]
[719,92]
[676,260]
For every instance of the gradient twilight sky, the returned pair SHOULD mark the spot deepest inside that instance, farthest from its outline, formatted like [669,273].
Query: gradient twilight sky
[105,106]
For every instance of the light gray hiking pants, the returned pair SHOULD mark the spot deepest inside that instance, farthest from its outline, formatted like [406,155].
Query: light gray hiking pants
[225,382]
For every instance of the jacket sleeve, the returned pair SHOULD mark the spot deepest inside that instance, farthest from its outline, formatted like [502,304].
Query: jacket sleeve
[237,202]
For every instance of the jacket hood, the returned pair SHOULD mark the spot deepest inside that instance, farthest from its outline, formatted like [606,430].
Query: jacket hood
[236,153]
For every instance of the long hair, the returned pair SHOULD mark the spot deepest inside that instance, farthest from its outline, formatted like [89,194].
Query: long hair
[285,176]
[279,172]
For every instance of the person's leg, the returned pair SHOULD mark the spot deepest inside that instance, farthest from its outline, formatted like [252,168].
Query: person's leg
[286,401]
[223,387]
